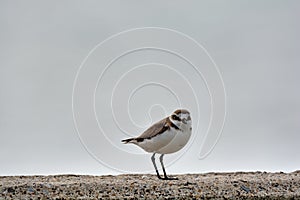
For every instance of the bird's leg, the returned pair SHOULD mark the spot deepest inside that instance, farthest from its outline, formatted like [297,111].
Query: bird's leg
[163,167]
[153,161]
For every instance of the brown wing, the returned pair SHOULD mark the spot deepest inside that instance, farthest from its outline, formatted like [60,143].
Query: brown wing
[155,129]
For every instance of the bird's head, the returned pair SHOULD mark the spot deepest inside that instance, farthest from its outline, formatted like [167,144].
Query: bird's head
[181,118]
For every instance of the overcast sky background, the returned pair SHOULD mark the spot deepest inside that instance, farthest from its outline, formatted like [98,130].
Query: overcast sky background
[254,44]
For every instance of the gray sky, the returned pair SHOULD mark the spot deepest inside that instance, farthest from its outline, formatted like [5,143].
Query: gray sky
[254,44]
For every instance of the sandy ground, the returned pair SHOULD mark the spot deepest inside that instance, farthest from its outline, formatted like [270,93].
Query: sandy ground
[240,185]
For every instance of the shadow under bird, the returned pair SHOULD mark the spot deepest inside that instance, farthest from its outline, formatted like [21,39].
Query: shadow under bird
[167,136]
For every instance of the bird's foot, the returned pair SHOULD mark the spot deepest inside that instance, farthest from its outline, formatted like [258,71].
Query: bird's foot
[167,178]
[171,178]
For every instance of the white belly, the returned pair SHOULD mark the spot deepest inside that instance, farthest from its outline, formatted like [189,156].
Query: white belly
[167,142]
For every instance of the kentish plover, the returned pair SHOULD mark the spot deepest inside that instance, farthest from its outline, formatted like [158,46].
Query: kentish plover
[167,136]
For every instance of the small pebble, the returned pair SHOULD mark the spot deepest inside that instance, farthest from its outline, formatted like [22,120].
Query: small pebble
[245,188]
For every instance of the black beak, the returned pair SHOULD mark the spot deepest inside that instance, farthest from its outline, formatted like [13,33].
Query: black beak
[184,121]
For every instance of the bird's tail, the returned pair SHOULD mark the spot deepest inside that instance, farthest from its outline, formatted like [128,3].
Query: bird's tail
[127,140]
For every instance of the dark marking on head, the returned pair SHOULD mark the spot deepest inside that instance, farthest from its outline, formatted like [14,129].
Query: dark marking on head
[181,111]
[175,117]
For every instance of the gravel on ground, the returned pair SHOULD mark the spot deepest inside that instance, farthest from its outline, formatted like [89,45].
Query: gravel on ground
[238,185]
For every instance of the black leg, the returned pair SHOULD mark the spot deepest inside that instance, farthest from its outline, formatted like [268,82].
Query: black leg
[163,167]
[153,161]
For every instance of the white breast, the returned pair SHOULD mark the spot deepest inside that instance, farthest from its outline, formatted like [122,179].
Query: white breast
[178,141]
[168,142]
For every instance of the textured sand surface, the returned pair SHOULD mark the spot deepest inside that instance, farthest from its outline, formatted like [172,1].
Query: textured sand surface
[253,185]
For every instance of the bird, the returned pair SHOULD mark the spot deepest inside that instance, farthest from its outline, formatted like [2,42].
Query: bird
[166,136]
